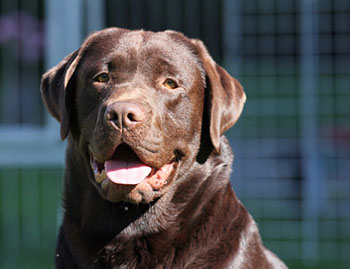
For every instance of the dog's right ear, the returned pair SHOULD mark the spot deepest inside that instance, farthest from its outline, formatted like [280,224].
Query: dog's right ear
[56,90]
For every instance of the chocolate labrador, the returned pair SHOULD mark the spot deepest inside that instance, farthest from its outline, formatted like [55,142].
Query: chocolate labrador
[147,165]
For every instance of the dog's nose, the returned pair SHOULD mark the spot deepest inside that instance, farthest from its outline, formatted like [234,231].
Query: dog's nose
[126,115]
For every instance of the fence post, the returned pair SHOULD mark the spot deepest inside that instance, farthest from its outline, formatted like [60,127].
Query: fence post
[64,28]
[308,132]
[231,35]
[95,15]
[63,35]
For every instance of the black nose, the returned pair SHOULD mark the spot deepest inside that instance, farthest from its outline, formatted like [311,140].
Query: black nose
[125,115]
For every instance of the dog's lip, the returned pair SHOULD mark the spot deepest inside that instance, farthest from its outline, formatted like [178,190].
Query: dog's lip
[156,178]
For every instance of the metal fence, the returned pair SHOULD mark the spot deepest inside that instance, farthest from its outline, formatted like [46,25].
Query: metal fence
[292,144]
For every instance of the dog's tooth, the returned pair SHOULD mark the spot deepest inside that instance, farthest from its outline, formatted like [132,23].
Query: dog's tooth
[100,176]
[161,174]
[164,171]
[167,168]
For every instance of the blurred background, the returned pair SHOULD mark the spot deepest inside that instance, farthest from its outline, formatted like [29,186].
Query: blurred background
[292,143]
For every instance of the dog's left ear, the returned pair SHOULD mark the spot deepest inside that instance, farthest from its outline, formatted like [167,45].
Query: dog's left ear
[225,94]
[56,90]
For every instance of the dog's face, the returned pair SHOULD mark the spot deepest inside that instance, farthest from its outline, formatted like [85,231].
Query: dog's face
[134,103]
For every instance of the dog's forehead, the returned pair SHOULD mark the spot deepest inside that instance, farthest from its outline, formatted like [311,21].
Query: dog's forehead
[111,42]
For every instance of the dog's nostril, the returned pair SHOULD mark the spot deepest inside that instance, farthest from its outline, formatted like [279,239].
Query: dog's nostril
[135,117]
[112,116]
[131,117]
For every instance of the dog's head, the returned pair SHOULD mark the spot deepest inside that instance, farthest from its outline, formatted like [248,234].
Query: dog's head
[133,102]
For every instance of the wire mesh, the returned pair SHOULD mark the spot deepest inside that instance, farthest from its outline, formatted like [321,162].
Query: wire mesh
[292,147]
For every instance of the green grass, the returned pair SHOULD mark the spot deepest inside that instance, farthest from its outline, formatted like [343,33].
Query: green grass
[29,216]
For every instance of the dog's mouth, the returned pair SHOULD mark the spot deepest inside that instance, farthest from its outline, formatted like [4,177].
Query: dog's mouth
[126,168]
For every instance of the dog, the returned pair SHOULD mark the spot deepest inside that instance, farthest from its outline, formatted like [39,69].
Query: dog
[147,164]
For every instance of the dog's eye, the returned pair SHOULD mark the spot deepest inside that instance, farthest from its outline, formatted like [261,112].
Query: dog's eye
[104,77]
[170,84]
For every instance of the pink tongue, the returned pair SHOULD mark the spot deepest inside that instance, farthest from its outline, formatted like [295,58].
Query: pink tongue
[127,172]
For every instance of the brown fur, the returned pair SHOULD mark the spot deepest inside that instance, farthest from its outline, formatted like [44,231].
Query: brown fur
[195,220]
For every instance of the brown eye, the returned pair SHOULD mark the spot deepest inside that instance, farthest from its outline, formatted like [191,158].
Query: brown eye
[170,84]
[104,77]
